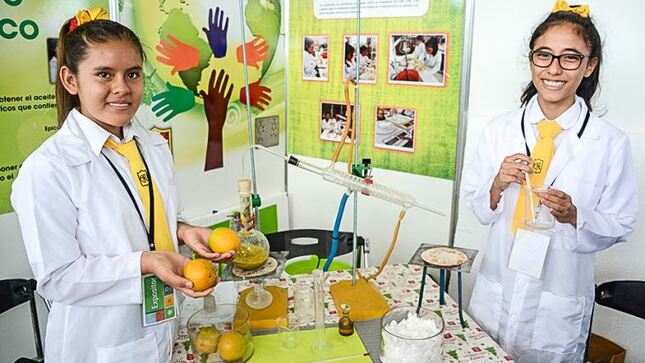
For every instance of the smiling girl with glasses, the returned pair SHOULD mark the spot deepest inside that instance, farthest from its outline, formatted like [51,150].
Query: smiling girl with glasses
[540,310]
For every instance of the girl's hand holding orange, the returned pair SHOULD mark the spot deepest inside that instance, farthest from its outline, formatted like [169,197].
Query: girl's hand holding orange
[201,273]
[197,238]
[224,241]
[169,267]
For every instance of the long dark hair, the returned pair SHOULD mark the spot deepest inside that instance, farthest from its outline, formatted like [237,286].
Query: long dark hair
[72,49]
[587,30]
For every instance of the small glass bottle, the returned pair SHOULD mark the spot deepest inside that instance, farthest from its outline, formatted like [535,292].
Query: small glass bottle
[345,324]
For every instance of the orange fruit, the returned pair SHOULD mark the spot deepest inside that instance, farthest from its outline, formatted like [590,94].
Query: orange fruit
[223,239]
[202,273]
[231,346]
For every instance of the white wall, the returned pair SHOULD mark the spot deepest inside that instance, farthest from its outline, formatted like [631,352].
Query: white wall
[500,69]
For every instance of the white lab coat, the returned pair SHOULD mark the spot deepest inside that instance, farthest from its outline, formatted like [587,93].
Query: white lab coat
[420,51]
[350,69]
[309,65]
[547,320]
[364,62]
[328,125]
[430,60]
[84,241]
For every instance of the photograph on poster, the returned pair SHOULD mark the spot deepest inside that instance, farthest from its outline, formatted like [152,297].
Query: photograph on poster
[315,61]
[418,59]
[333,120]
[394,128]
[52,62]
[363,55]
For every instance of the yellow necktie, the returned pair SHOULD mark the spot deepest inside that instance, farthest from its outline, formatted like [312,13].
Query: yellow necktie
[162,239]
[541,155]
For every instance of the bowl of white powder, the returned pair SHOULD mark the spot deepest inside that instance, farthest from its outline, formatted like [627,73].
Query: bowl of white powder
[408,336]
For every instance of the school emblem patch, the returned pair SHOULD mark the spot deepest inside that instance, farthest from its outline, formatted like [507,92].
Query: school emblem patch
[143,177]
[537,166]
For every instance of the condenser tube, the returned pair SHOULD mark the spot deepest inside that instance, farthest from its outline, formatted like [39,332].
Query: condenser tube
[357,184]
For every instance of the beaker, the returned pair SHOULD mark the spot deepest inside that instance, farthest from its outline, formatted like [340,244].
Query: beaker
[411,335]
[537,216]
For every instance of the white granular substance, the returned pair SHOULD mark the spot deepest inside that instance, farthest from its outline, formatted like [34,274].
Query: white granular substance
[406,349]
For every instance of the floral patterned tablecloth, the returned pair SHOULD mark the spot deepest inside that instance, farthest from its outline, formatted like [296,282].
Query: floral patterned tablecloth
[400,284]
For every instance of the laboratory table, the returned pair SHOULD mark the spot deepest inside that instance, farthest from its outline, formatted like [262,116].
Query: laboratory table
[400,285]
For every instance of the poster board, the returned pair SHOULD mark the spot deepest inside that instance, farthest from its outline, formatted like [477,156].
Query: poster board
[28,35]
[409,100]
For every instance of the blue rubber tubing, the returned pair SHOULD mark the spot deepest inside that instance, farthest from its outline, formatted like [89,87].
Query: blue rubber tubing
[334,234]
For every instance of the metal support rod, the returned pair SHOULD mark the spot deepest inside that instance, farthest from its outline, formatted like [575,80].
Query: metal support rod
[113,10]
[459,296]
[248,111]
[442,286]
[423,287]
[356,131]
[469,16]
[285,149]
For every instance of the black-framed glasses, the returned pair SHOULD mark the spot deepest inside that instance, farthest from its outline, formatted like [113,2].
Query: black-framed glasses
[567,61]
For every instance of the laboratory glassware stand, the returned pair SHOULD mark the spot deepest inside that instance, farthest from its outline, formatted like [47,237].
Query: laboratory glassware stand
[265,313]
[464,267]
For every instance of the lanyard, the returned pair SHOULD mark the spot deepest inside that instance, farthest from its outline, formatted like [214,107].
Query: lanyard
[582,129]
[150,232]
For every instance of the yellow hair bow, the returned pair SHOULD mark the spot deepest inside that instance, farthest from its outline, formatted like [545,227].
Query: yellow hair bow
[85,16]
[561,5]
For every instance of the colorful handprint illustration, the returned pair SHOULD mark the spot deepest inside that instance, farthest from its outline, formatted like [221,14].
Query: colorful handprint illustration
[215,104]
[256,52]
[194,45]
[260,96]
[177,54]
[172,102]
[216,32]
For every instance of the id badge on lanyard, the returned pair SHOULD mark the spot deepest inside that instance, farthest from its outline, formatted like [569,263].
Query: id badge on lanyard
[159,300]
[529,252]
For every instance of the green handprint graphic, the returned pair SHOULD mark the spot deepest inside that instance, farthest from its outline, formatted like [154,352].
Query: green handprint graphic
[172,102]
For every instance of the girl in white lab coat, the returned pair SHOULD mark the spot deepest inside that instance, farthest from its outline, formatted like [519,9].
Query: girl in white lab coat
[349,70]
[543,313]
[85,237]
[430,55]
[310,64]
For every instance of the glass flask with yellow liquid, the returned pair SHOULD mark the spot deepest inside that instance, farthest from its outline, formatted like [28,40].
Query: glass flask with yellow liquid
[254,246]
